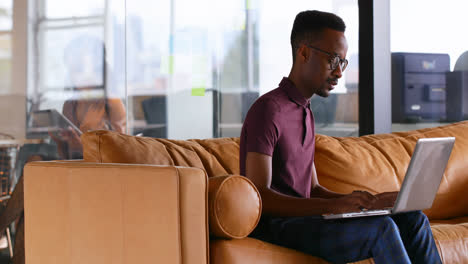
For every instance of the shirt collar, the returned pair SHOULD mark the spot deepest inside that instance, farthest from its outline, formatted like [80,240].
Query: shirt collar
[293,93]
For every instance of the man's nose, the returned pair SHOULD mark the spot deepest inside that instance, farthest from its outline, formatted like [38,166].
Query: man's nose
[338,73]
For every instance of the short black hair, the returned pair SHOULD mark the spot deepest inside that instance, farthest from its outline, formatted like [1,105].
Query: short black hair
[308,25]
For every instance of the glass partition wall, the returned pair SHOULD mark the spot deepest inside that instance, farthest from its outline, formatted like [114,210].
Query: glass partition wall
[174,69]
[195,67]
[192,69]
[77,73]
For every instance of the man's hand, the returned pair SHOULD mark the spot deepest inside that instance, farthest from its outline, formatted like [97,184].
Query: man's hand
[385,200]
[353,202]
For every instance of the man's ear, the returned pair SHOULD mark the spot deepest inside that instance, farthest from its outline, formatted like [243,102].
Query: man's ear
[303,53]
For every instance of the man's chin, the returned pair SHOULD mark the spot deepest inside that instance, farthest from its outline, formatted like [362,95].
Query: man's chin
[324,93]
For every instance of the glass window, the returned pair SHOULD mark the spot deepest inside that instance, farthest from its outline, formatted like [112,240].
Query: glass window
[429,63]
[6,15]
[66,9]
[183,69]
[72,57]
[79,74]
[172,69]
[195,68]
[149,66]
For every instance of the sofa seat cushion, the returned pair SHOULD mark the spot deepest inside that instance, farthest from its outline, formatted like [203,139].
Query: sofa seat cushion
[451,237]
[250,250]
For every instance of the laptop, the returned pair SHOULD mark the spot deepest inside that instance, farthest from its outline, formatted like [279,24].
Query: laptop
[42,122]
[421,182]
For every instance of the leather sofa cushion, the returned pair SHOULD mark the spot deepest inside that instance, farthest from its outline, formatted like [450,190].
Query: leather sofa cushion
[234,206]
[378,163]
[217,156]
[249,250]
[111,147]
[451,238]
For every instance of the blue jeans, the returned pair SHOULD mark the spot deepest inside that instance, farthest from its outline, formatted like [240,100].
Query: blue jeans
[401,238]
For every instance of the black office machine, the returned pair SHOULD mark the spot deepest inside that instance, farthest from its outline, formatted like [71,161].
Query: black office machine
[419,87]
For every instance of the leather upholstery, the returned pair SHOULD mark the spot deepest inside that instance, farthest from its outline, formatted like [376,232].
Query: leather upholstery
[217,156]
[114,213]
[235,206]
[450,235]
[375,163]
[452,239]
[235,200]
[249,250]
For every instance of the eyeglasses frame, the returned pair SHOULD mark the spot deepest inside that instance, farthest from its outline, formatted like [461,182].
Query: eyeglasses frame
[332,57]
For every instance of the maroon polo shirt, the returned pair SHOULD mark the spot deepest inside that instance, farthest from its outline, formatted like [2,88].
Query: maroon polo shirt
[281,125]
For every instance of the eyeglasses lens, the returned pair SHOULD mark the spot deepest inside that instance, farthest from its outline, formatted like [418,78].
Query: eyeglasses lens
[338,62]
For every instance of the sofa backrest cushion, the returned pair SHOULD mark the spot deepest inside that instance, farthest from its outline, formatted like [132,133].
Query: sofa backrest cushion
[378,163]
[218,156]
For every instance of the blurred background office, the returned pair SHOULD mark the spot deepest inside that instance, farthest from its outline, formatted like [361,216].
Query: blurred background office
[191,69]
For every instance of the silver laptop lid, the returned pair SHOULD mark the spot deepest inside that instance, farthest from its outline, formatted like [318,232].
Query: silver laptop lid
[424,174]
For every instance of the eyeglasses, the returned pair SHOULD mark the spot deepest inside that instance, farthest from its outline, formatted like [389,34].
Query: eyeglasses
[334,61]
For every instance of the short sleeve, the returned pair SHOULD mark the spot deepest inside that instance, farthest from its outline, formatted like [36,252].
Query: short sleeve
[261,127]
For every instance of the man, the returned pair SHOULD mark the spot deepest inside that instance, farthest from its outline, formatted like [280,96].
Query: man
[277,154]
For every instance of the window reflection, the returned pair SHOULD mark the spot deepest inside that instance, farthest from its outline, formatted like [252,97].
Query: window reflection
[202,64]
[64,9]
[176,74]
[149,66]
[79,69]
[6,14]
[90,108]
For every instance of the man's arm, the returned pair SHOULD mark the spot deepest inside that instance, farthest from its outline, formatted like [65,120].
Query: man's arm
[320,191]
[384,200]
[259,171]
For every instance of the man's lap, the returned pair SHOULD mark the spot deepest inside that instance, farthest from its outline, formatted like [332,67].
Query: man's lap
[350,238]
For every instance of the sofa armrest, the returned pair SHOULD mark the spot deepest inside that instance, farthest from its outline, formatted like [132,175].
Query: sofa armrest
[235,206]
[114,213]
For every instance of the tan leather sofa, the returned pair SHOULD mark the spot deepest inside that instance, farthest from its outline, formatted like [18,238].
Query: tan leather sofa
[144,200]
